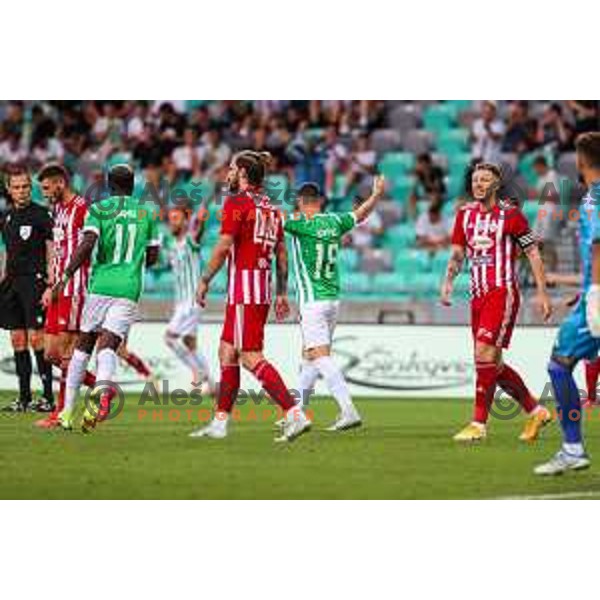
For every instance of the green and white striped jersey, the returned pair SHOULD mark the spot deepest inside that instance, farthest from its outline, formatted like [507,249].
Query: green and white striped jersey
[184,256]
[316,244]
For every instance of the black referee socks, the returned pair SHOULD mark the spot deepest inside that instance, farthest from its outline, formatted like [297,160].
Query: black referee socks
[23,368]
[45,372]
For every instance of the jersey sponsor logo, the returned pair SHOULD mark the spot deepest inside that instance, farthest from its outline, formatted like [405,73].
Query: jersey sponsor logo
[326,233]
[481,242]
[25,232]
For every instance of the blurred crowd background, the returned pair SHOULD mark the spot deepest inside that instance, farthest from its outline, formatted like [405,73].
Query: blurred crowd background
[425,149]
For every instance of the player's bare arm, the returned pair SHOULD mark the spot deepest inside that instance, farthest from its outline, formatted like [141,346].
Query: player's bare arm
[282,305]
[82,254]
[537,268]
[47,295]
[219,256]
[367,207]
[455,264]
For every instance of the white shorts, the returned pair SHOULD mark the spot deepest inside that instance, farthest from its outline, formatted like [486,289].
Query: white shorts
[116,315]
[185,320]
[318,320]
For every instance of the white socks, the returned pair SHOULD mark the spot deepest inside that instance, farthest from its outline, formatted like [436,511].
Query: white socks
[77,367]
[308,378]
[336,383]
[196,362]
[575,449]
[107,365]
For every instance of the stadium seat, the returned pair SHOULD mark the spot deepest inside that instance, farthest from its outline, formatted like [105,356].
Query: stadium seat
[376,260]
[439,117]
[405,117]
[455,186]
[385,140]
[389,283]
[349,259]
[394,164]
[357,283]
[459,105]
[400,236]
[428,283]
[400,187]
[418,141]
[567,167]
[452,141]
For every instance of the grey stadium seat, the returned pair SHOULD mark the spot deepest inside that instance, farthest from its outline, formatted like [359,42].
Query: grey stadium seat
[385,140]
[566,166]
[417,141]
[405,117]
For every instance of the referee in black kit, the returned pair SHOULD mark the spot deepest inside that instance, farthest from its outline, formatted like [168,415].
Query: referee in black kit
[27,231]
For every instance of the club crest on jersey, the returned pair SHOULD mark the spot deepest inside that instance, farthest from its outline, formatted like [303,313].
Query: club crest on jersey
[25,232]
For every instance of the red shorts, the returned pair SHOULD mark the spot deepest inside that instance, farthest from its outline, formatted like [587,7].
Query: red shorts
[494,315]
[244,326]
[64,315]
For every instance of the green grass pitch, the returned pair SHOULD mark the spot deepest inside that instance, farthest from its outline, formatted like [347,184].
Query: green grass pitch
[405,450]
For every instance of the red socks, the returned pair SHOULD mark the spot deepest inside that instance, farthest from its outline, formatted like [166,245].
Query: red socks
[271,381]
[592,370]
[89,379]
[268,377]
[136,363]
[510,381]
[485,387]
[228,387]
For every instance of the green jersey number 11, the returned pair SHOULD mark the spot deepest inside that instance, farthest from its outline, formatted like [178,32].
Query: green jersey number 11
[124,238]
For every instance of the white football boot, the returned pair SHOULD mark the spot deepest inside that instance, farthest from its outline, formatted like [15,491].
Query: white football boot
[296,423]
[216,429]
[347,420]
[561,462]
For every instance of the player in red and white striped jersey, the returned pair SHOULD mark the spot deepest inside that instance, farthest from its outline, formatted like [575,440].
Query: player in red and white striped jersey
[251,237]
[64,315]
[491,232]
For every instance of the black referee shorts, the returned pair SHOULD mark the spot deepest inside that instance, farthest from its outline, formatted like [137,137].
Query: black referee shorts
[21,302]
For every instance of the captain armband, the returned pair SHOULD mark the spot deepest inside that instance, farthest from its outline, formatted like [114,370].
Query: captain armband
[526,240]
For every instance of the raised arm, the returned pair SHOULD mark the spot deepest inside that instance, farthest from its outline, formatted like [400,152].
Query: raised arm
[219,256]
[367,207]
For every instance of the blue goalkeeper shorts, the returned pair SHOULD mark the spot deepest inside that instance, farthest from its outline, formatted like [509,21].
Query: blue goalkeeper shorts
[574,338]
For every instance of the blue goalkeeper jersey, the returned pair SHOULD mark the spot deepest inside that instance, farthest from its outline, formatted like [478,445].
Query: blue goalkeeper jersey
[589,231]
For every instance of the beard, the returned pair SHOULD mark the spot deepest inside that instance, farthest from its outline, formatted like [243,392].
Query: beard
[233,182]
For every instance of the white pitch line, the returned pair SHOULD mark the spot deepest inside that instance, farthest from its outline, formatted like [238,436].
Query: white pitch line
[559,496]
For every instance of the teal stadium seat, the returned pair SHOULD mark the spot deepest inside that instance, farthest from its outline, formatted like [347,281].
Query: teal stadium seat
[439,117]
[349,259]
[453,141]
[389,283]
[395,164]
[400,187]
[357,283]
[400,236]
